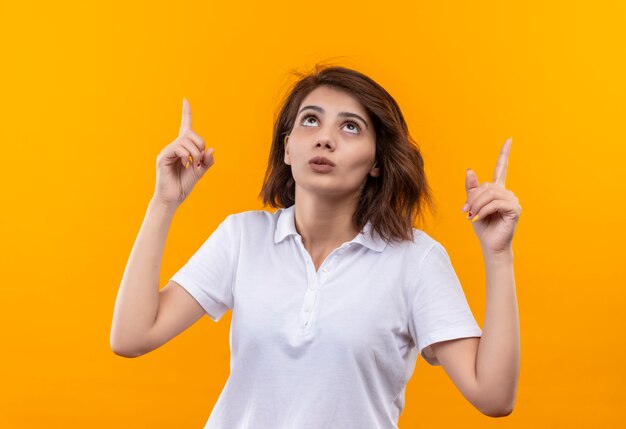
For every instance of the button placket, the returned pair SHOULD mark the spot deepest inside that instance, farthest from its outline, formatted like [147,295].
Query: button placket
[309,303]
[316,279]
[310,295]
[309,300]
[328,267]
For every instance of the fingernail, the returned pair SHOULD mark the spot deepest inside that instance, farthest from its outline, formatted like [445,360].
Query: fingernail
[187,165]
[475,219]
[465,208]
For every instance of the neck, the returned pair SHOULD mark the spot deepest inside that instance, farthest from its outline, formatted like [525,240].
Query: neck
[324,223]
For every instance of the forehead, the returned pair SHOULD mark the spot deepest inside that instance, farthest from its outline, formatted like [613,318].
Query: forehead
[331,99]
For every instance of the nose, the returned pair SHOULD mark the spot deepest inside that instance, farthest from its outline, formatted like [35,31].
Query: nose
[325,143]
[325,140]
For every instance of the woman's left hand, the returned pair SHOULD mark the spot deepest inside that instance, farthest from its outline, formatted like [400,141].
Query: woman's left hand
[494,210]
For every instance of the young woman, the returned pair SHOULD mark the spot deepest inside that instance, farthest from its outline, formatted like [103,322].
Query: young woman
[334,294]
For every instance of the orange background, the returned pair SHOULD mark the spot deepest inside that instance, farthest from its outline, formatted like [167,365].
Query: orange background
[91,92]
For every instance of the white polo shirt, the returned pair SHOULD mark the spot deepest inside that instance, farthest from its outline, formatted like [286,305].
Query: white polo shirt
[327,349]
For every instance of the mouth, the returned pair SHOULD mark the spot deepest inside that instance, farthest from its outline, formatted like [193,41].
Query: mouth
[320,160]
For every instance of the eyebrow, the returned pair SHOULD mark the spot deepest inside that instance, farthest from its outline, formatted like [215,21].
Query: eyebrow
[340,114]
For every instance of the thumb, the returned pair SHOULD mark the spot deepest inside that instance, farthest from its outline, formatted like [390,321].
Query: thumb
[207,159]
[471,183]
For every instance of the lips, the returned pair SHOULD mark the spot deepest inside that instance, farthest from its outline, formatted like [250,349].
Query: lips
[320,160]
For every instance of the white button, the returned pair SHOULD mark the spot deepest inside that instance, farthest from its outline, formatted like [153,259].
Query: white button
[325,269]
[307,308]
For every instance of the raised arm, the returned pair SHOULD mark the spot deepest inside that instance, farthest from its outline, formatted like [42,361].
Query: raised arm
[486,369]
[145,317]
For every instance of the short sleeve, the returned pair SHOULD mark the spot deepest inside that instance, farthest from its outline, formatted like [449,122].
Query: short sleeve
[209,274]
[439,309]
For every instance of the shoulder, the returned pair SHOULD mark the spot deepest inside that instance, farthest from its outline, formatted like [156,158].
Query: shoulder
[252,228]
[252,224]
[418,256]
[417,248]
[253,218]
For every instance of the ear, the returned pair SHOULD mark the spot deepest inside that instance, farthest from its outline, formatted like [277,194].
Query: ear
[287,157]
[375,171]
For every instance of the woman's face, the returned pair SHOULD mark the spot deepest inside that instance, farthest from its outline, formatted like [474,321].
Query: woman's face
[331,124]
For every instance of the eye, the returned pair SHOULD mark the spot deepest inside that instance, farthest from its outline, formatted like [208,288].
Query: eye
[356,126]
[305,119]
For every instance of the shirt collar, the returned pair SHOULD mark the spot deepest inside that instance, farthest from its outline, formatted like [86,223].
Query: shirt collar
[286,226]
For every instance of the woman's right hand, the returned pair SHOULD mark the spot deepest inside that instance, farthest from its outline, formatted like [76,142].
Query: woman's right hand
[181,164]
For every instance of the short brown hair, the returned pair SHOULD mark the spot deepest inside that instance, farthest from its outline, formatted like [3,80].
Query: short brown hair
[393,200]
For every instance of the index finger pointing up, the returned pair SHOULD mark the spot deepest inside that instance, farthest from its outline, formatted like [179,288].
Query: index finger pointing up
[185,124]
[499,175]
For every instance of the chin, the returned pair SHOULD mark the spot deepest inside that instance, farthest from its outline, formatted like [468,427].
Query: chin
[330,190]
